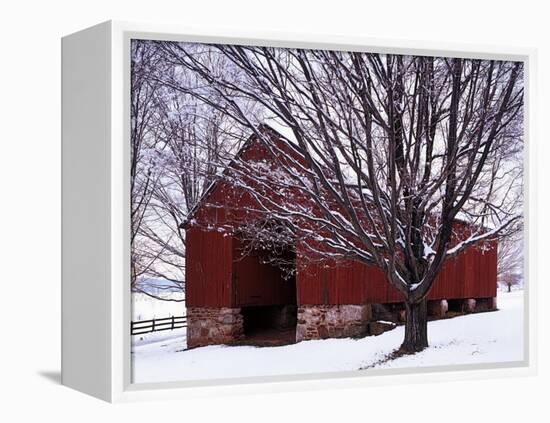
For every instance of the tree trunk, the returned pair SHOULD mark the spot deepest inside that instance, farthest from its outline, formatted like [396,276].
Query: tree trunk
[133,274]
[416,327]
[509,287]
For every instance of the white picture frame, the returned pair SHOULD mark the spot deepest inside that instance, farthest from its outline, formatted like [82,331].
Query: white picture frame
[95,215]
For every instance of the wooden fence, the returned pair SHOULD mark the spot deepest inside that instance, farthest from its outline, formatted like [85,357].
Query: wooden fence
[141,327]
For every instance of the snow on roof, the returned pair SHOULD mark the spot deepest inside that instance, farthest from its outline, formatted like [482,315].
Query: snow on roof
[281,129]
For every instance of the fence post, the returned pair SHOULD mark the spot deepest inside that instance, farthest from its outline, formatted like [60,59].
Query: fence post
[153,326]
[172,322]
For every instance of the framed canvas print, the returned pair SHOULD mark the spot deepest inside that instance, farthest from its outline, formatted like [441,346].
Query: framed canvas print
[245,210]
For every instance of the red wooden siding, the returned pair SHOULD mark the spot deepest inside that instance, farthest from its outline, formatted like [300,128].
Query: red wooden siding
[208,270]
[471,274]
[342,283]
[216,278]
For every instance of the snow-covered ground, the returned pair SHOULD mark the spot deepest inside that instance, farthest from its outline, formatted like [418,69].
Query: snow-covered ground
[145,307]
[477,338]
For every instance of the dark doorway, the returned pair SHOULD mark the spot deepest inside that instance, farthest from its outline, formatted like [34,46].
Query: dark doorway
[455,306]
[266,294]
[269,325]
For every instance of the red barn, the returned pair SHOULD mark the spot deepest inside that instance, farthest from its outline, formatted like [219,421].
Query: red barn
[236,297]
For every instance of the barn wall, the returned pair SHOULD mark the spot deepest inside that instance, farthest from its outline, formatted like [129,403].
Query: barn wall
[342,283]
[471,274]
[209,258]
[216,275]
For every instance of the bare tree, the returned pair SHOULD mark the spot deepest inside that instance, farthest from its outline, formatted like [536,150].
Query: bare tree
[510,262]
[386,154]
[143,103]
[191,146]
[179,146]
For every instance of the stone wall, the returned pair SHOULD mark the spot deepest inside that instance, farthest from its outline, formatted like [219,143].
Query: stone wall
[208,326]
[437,308]
[332,321]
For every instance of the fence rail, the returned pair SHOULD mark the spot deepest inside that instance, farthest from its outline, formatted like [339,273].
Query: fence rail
[141,327]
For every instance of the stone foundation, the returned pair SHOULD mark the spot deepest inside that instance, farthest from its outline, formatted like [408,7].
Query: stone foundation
[332,321]
[469,305]
[208,326]
[437,308]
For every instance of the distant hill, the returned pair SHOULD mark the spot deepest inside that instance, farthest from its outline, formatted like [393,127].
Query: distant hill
[157,286]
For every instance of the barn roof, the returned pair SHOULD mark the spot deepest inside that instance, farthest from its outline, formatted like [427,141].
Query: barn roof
[262,128]
[265,129]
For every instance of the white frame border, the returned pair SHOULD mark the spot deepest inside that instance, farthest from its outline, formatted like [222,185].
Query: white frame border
[121,387]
